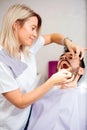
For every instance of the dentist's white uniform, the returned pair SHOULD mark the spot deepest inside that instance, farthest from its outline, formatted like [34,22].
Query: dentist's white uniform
[16,74]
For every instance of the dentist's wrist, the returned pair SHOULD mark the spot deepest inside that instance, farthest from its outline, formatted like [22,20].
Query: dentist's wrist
[64,41]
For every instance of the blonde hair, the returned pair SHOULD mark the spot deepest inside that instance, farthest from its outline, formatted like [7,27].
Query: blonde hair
[17,12]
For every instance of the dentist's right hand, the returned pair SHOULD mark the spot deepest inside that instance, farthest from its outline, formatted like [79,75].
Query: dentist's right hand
[61,77]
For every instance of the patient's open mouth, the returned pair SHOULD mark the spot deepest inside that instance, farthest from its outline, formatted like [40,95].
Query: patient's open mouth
[64,65]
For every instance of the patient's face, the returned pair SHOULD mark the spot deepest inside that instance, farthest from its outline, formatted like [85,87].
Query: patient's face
[66,61]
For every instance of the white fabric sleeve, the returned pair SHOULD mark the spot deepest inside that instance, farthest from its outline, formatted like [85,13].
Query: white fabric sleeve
[7,81]
[37,45]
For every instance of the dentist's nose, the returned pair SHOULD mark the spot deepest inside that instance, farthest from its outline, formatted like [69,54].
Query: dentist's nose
[35,33]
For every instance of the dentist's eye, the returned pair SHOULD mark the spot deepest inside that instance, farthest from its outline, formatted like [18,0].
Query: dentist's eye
[33,28]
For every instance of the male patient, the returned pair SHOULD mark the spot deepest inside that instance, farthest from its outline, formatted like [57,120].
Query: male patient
[61,109]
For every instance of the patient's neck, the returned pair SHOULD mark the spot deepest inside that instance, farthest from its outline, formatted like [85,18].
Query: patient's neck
[72,84]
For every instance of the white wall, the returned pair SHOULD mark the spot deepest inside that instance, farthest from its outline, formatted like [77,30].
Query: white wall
[63,16]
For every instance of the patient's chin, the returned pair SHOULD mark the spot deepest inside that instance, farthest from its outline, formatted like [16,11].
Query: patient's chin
[66,68]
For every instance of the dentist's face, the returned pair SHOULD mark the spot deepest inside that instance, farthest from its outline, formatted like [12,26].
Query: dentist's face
[67,61]
[27,33]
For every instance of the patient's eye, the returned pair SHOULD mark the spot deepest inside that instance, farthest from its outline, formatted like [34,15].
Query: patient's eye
[70,56]
[80,55]
[61,58]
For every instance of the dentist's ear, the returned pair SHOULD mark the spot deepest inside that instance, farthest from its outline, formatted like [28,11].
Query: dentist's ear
[16,25]
[81,71]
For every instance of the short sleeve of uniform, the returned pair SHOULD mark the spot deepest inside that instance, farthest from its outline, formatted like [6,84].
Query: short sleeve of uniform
[7,81]
[37,45]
